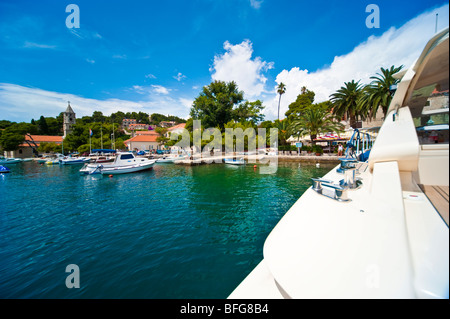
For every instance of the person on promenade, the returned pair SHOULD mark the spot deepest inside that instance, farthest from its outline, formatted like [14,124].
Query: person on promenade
[340,149]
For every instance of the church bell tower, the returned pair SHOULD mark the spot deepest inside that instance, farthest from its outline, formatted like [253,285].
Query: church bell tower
[69,120]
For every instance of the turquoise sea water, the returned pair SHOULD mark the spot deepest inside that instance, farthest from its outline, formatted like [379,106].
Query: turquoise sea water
[173,232]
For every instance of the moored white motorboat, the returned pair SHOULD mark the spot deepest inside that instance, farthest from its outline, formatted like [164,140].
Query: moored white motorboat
[172,158]
[233,161]
[67,160]
[10,160]
[384,232]
[124,163]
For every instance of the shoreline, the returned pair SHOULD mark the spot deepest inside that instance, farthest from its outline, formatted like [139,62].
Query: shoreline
[257,159]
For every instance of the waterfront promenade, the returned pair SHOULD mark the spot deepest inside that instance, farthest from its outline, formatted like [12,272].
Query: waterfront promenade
[254,159]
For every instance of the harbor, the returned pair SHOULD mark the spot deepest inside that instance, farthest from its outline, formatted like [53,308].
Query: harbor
[246,150]
[172,232]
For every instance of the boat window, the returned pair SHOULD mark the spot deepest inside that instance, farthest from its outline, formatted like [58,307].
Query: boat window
[432,124]
[126,156]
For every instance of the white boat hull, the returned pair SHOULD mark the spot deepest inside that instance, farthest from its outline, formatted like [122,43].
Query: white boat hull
[368,229]
[10,161]
[171,159]
[126,169]
[74,161]
[233,162]
[122,165]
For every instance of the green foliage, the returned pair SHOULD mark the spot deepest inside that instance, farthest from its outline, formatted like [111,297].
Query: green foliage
[304,100]
[14,134]
[287,148]
[377,93]
[317,149]
[45,147]
[157,118]
[10,141]
[249,112]
[5,124]
[43,127]
[284,130]
[80,136]
[315,120]
[214,106]
[346,101]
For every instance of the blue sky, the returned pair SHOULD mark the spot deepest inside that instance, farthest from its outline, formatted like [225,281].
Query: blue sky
[155,56]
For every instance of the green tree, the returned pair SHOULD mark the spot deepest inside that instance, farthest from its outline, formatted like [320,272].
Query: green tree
[98,116]
[5,124]
[43,127]
[10,141]
[346,101]
[249,112]
[281,89]
[284,130]
[378,93]
[304,100]
[214,105]
[314,120]
[117,117]
[161,139]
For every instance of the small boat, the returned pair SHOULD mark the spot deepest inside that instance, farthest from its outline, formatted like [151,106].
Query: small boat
[172,158]
[48,158]
[4,169]
[73,160]
[10,160]
[124,163]
[233,161]
[52,162]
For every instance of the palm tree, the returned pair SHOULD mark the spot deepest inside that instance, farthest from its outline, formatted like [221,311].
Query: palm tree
[346,101]
[378,92]
[284,132]
[281,89]
[315,120]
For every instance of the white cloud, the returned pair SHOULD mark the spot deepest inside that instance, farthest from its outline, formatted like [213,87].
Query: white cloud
[236,64]
[186,102]
[90,61]
[256,3]
[179,76]
[85,34]
[160,89]
[34,45]
[150,76]
[19,103]
[397,47]
[120,56]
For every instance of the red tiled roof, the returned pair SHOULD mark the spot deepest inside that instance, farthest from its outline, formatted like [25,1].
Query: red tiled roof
[44,138]
[142,138]
[178,126]
[38,139]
